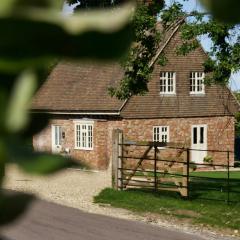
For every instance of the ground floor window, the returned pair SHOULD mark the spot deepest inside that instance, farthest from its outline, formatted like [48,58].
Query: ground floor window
[84,135]
[161,133]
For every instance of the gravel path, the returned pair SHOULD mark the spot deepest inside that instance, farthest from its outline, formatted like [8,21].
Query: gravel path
[76,188]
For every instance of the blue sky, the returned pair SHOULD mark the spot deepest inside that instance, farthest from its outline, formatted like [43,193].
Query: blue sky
[188,6]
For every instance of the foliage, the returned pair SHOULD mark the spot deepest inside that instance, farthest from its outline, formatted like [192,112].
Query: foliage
[208,159]
[35,34]
[89,4]
[224,10]
[136,65]
[146,40]
[224,56]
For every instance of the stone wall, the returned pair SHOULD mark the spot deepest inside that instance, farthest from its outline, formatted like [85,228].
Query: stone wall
[220,136]
[220,133]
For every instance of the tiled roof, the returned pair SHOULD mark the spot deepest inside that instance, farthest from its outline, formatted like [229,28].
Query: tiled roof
[82,88]
[79,87]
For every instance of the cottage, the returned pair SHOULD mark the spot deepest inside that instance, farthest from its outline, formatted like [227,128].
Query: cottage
[179,107]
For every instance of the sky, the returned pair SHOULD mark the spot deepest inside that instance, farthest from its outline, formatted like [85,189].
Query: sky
[234,83]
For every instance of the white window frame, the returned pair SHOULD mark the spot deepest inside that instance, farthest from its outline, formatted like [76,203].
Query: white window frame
[163,132]
[83,142]
[196,81]
[165,82]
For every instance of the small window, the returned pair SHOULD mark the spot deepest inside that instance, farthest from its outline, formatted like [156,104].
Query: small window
[197,83]
[161,134]
[167,83]
[84,135]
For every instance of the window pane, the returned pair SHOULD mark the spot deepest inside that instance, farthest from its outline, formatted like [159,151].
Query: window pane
[160,134]
[59,135]
[167,82]
[196,82]
[56,137]
[195,135]
[202,135]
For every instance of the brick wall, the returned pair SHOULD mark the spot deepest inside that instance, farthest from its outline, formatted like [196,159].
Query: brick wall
[220,135]
[98,158]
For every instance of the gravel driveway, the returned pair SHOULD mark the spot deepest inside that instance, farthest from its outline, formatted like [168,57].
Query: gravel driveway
[76,188]
[71,187]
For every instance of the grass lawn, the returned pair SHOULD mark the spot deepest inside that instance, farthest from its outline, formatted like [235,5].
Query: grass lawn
[213,213]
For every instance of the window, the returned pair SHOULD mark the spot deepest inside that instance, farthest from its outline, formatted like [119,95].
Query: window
[57,135]
[196,82]
[167,83]
[84,135]
[161,134]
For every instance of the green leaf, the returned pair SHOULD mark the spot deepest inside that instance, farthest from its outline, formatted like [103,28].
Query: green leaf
[12,206]
[42,34]
[37,122]
[17,113]
[3,158]
[224,10]
[36,162]
[43,164]
[8,6]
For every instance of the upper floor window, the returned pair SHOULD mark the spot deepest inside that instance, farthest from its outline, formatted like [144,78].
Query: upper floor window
[84,135]
[161,134]
[197,83]
[167,83]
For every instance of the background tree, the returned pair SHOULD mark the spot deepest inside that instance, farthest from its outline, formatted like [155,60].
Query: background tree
[224,55]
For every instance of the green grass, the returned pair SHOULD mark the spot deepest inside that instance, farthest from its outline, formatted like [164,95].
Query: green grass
[214,213]
[217,181]
[233,174]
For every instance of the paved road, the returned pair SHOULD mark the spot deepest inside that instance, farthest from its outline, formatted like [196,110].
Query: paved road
[49,221]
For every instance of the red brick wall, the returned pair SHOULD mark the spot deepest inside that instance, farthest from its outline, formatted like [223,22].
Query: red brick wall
[220,136]
[98,158]
[220,133]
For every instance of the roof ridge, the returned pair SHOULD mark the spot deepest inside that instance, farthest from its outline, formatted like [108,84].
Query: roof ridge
[174,25]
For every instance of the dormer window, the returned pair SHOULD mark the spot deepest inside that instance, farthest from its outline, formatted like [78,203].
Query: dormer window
[197,83]
[167,83]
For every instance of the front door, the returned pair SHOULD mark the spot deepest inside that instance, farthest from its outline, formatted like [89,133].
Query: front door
[56,138]
[199,142]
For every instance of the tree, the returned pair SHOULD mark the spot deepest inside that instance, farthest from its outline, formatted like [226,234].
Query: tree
[224,55]
[34,33]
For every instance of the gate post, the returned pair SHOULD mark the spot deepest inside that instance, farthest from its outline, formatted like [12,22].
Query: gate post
[185,181]
[117,137]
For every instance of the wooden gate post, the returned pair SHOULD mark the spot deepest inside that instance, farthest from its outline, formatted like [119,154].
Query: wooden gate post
[185,181]
[117,137]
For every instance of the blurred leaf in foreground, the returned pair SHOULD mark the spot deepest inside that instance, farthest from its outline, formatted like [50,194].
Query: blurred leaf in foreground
[37,162]
[42,33]
[24,89]
[33,35]
[12,205]
[224,10]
